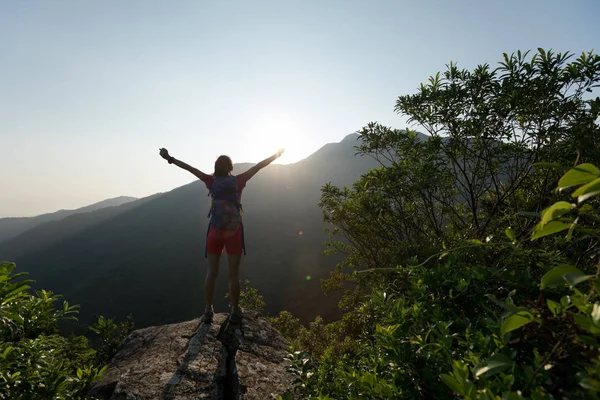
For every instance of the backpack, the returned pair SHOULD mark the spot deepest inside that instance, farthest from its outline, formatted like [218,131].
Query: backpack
[225,211]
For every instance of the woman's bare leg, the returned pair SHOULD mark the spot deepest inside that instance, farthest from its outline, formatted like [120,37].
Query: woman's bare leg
[234,278]
[211,278]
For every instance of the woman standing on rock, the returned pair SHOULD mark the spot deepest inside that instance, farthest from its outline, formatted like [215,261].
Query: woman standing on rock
[225,229]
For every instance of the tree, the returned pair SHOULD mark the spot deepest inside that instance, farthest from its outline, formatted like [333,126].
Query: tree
[470,271]
[488,128]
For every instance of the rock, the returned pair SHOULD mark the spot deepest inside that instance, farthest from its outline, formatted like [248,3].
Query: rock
[193,360]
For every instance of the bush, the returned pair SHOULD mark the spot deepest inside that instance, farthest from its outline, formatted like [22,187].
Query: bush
[36,362]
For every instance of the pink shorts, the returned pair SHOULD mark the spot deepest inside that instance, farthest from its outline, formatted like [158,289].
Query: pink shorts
[232,241]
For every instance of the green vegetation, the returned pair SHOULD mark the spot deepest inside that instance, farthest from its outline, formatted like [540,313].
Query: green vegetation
[36,362]
[472,258]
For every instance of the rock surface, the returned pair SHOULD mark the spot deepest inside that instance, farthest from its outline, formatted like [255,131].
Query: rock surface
[193,360]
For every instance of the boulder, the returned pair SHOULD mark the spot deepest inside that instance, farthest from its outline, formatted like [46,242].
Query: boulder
[194,360]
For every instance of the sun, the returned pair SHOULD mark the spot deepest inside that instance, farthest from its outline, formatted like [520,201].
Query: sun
[270,132]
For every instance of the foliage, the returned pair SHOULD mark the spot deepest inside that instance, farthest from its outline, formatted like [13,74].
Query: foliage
[488,129]
[286,324]
[35,360]
[471,271]
[111,335]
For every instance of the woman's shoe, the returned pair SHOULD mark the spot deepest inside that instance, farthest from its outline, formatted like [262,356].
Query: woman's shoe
[236,316]
[208,315]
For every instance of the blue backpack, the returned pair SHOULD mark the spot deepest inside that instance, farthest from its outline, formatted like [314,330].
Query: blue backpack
[225,210]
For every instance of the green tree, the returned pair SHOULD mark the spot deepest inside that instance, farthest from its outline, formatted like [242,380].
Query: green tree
[488,128]
[446,293]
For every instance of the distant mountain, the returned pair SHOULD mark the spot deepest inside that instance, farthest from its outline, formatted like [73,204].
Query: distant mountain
[148,259]
[48,234]
[11,227]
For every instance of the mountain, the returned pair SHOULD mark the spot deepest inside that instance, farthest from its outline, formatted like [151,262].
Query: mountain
[148,259]
[11,227]
[50,233]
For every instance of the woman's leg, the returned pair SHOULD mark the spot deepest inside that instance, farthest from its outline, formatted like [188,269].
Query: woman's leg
[211,278]
[234,278]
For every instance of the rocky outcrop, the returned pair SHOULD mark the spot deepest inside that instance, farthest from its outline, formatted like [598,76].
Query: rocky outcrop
[193,360]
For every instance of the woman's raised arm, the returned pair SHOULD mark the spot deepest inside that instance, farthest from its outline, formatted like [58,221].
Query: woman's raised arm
[164,153]
[253,170]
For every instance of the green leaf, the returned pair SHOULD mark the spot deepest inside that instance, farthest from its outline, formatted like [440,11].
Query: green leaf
[14,294]
[555,211]
[494,365]
[588,340]
[574,279]
[590,384]
[516,321]
[510,234]
[583,321]
[586,323]
[452,383]
[586,191]
[5,352]
[582,302]
[571,229]
[556,275]
[550,228]
[460,370]
[583,173]
[506,306]
[553,306]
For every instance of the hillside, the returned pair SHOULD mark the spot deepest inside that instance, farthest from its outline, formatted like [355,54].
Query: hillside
[148,259]
[11,227]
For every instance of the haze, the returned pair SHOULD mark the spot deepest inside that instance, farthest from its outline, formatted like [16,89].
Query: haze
[90,90]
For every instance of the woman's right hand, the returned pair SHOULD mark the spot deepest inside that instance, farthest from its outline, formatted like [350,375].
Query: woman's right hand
[279,153]
[164,153]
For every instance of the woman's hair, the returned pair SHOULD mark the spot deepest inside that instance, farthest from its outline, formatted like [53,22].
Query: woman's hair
[223,166]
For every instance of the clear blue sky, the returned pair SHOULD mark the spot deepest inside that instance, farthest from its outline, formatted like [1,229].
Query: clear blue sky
[89,90]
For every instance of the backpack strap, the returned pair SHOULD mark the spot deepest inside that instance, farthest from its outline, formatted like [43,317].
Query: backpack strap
[206,242]
[243,241]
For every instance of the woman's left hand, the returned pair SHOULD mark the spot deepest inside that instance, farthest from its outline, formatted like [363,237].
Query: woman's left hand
[164,153]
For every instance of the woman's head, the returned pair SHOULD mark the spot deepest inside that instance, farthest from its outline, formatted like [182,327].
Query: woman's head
[223,166]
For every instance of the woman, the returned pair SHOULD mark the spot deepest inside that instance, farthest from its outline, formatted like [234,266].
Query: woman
[231,237]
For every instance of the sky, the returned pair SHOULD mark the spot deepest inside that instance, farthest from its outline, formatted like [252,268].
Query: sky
[90,90]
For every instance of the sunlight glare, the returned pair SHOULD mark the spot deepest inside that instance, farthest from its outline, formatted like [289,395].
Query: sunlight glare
[275,131]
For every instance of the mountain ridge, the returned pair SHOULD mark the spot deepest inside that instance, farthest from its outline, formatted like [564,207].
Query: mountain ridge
[11,227]
[147,257]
